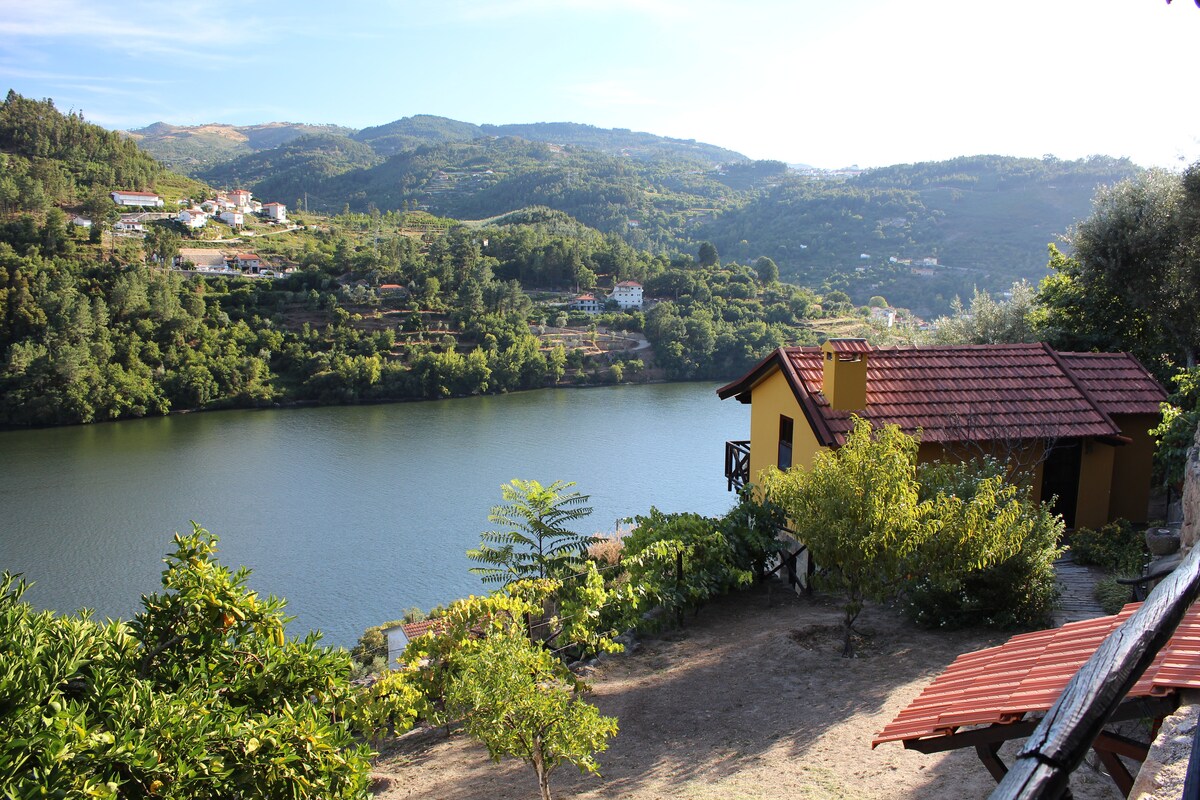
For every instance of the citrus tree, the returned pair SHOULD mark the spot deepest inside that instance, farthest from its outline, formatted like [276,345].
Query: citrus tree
[200,696]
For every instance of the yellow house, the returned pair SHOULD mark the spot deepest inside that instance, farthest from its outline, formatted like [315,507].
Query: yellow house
[1079,422]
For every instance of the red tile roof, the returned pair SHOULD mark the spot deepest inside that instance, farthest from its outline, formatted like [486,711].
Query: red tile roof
[971,392]
[414,629]
[1001,685]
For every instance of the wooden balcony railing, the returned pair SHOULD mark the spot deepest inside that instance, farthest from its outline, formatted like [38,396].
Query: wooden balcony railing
[737,464]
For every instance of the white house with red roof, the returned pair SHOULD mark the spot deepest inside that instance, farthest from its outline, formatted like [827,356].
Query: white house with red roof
[137,199]
[276,212]
[192,218]
[627,294]
[586,303]
[240,198]
[234,219]
[248,262]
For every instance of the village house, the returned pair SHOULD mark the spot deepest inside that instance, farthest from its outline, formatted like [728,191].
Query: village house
[130,223]
[192,218]
[202,260]
[627,294]
[276,212]
[234,219]
[137,199]
[248,262]
[586,303]
[399,636]
[240,199]
[1078,422]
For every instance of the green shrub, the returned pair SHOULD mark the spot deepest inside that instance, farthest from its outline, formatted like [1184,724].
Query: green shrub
[1019,592]
[1111,595]
[1117,547]
[200,695]
[662,543]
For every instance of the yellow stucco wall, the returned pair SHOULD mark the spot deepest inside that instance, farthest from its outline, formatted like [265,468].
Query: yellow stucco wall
[1131,468]
[770,398]
[1095,484]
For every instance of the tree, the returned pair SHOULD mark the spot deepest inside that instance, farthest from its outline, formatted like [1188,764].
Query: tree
[708,256]
[860,511]
[991,321]
[533,541]
[520,701]
[201,695]
[767,270]
[1134,281]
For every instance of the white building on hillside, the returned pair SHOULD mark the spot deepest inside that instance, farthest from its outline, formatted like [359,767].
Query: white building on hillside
[137,199]
[234,219]
[240,199]
[276,212]
[193,218]
[586,303]
[628,294]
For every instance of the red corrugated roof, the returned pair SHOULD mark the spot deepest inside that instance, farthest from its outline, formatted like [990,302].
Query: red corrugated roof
[1001,685]
[972,392]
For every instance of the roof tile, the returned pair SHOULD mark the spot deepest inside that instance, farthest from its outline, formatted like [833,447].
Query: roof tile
[1001,685]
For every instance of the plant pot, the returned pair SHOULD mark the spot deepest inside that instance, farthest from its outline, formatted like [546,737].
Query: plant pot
[1162,541]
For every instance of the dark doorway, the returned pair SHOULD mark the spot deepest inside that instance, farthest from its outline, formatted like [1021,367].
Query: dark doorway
[1060,479]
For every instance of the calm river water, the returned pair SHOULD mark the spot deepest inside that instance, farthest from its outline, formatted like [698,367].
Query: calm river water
[353,513]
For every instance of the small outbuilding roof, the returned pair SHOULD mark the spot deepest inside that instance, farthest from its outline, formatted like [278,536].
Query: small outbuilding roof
[1025,675]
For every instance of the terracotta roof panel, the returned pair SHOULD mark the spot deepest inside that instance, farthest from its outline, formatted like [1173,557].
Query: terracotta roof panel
[1001,685]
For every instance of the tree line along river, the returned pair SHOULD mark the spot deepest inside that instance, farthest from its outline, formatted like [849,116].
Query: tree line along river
[353,514]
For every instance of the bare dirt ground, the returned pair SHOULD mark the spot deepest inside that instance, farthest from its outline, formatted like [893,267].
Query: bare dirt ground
[747,701]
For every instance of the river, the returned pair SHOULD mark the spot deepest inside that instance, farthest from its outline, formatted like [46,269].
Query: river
[353,514]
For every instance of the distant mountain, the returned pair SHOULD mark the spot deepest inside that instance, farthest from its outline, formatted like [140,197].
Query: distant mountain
[197,147]
[300,165]
[190,148]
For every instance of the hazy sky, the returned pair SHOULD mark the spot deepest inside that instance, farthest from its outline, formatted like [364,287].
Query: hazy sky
[868,82]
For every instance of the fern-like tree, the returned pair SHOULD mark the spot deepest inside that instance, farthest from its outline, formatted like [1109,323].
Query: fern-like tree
[532,539]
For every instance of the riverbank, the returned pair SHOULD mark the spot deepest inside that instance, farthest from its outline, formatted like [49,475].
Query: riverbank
[747,701]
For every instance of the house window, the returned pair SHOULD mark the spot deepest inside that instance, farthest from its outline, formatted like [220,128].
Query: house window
[786,427]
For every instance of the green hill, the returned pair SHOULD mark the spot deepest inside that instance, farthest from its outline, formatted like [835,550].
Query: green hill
[191,148]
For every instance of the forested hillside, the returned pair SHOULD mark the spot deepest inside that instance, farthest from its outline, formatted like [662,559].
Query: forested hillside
[985,219]
[378,306]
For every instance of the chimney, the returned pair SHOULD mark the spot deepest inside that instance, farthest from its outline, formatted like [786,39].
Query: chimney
[845,373]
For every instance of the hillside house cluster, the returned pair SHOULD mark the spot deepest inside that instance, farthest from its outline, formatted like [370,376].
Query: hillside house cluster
[1079,422]
[626,294]
[229,207]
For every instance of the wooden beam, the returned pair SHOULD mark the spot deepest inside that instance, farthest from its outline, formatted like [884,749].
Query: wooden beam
[989,754]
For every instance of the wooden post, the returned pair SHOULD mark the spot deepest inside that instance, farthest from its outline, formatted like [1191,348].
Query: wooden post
[1059,743]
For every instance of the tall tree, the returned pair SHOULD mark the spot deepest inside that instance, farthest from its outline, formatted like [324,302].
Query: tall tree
[1134,281]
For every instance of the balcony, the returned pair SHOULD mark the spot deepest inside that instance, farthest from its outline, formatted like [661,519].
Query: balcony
[737,464]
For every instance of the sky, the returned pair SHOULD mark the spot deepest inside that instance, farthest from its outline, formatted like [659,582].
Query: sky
[830,84]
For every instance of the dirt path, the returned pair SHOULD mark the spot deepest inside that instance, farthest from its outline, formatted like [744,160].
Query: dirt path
[746,702]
